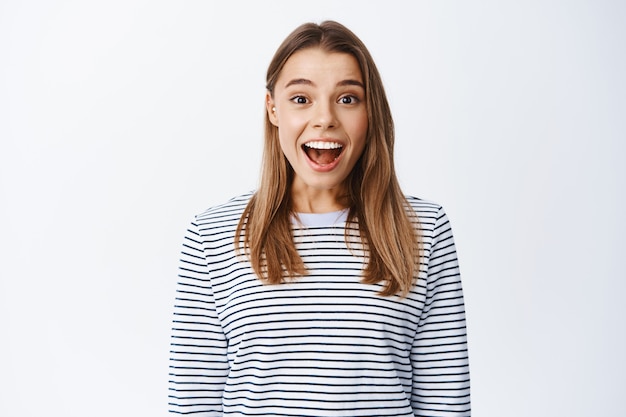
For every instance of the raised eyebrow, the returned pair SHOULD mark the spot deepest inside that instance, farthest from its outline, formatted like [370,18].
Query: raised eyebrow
[343,83]
[299,81]
[350,82]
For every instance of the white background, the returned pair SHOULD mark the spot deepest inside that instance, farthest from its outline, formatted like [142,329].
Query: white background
[119,120]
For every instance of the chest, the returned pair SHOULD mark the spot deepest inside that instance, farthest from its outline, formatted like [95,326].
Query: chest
[328,305]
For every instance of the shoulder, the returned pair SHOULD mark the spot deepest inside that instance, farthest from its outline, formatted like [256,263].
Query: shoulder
[425,209]
[430,215]
[235,204]
[227,212]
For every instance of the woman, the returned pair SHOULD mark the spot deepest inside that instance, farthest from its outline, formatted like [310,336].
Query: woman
[326,292]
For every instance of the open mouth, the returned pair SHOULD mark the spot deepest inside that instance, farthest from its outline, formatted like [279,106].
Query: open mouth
[322,152]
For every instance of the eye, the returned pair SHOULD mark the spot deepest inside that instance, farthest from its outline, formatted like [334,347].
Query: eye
[349,100]
[299,100]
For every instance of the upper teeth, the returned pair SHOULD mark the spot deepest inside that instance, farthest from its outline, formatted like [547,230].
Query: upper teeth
[323,145]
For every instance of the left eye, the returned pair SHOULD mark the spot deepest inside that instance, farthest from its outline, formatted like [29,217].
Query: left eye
[347,100]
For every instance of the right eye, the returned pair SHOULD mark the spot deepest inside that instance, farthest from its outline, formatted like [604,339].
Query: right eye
[299,100]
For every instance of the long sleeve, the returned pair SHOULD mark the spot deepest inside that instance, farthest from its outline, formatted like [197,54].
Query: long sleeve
[441,383]
[198,357]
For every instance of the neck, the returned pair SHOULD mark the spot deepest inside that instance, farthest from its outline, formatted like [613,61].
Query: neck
[312,200]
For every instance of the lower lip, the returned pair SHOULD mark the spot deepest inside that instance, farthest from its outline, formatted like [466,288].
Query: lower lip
[322,168]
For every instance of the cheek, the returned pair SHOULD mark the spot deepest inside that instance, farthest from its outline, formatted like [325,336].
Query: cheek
[289,130]
[285,146]
[359,130]
[288,141]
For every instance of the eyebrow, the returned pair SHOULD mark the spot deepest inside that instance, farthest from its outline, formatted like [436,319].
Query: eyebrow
[343,83]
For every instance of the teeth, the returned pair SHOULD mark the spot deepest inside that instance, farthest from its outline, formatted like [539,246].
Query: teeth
[322,145]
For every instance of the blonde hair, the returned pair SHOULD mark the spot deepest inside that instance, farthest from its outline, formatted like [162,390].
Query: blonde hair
[387,224]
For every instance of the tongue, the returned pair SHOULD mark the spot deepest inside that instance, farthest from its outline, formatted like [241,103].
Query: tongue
[323,156]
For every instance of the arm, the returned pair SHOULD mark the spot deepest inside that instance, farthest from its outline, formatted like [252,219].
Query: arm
[198,362]
[439,353]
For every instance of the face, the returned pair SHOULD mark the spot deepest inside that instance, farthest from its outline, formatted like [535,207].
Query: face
[320,111]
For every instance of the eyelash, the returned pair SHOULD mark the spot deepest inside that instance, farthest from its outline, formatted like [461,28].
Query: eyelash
[296,99]
[354,99]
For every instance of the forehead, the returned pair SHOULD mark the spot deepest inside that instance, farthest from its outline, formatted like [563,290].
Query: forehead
[318,65]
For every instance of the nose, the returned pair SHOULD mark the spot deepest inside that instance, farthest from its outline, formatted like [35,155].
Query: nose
[324,117]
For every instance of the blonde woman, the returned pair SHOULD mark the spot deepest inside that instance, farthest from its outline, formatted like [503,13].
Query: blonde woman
[327,292]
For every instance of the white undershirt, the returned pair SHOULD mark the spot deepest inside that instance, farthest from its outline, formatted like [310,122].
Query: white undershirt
[320,219]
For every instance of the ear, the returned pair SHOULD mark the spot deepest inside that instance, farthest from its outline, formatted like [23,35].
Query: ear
[271,109]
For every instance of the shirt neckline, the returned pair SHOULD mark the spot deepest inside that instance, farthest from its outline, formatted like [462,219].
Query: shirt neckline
[331,218]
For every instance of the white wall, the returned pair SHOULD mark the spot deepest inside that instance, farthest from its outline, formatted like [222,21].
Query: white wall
[119,120]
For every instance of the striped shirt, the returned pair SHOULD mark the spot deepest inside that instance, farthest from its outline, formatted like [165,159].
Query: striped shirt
[324,344]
